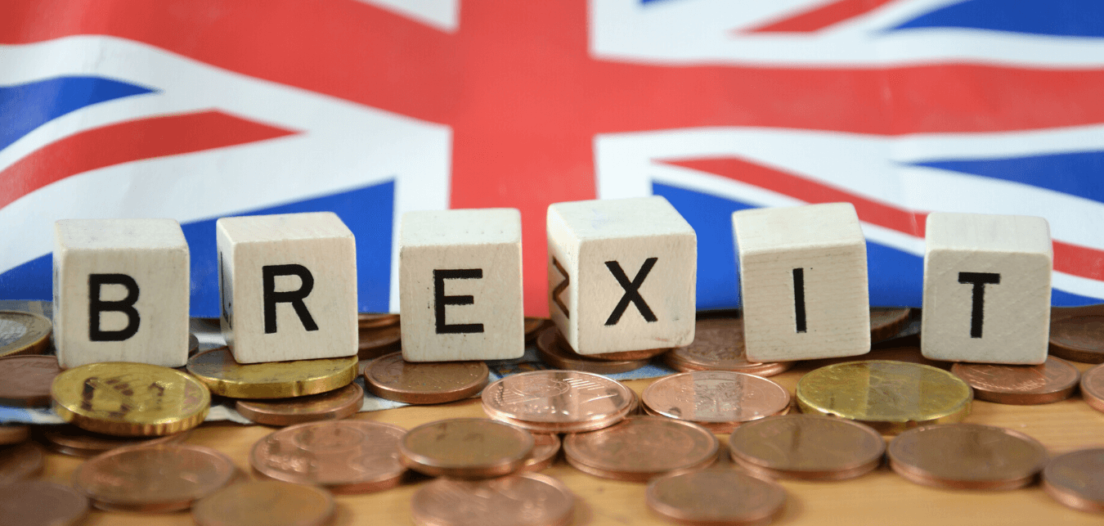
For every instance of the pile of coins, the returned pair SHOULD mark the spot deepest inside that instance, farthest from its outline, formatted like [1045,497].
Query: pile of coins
[131,422]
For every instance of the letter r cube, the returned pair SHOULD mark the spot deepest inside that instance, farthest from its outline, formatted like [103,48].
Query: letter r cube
[621,274]
[288,287]
[460,288]
[120,291]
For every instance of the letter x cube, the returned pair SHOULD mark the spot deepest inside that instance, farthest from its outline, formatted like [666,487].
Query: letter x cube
[621,274]
[986,288]
[460,289]
[288,285]
[120,292]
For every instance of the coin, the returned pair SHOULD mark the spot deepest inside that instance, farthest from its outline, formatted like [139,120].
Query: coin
[41,503]
[130,399]
[374,320]
[545,448]
[13,434]
[888,396]
[967,456]
[1078,334]
[466,448]
[193,344]
[554,351]
[376,342]
[715,496]
[334,405]
[533,327]
[806,447]
[716,400]
[267,502]
[558,401]
[162,478]
[393,378]
[526,499]
[1092,387]
[1074,480]
[345,456]
[640,448]
[886,322]
[20,462]
[719,346]
[23,333]
[74,441]
[1048,382]
[217,369]
[25,380]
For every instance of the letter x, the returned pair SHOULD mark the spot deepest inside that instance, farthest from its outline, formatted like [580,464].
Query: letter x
[632,291]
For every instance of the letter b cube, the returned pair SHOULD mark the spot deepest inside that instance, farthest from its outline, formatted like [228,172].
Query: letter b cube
[120,292]
[288,285]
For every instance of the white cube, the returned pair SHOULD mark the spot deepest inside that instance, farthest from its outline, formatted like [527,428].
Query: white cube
[289,287]
[460,288]
[986,288]
[621,274]
[803,282]
[120,292]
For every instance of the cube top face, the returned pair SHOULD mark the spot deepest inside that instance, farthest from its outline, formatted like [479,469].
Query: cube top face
[772,229]
[987,233]
[460,227]
[119,234]
[283,227]
[620,218]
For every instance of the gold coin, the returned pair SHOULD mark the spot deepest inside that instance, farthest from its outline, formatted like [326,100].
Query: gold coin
[886,395]
[23,333]
[130,399]
[217,369]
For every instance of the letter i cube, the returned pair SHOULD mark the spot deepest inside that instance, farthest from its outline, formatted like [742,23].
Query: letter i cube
[460,288]
[289,287]
[803,282]
[120,292]
[621,274]
[986,288]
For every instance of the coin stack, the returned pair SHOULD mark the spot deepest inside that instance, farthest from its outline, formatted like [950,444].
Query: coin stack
[380,334]
[554,350]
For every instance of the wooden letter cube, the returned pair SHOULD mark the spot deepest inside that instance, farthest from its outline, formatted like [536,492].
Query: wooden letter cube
[986,288]
[120,292]
[289,287]
[460,289]
[621,274]
[803,282]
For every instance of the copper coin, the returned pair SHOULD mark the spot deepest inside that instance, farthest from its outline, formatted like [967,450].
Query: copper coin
[267,502]
[1049,382]
[193,344]
[466,448]
[807,447]
[558,401]
[533,327]
[640,448]
[526,499]
[886,322]
[346,456]
[545,448]
[19,462]
[716,400]
[378,341]
[643,354]
[1078,338]
[41,503]
[334,405]
[1074,480]
[13,434]
[967,456]
[371,320]
[719,346]
[71,440]
[555,352]
[25,380]
[393,378]
[162,478]
[716,496]
[1092,387]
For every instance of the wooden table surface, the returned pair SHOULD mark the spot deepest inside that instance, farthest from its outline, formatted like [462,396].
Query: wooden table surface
[879,497]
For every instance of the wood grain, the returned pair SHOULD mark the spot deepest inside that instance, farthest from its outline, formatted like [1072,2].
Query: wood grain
[880,497]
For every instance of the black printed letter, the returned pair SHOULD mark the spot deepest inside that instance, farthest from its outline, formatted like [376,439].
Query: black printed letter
[125,306]
[440,300]
[632,291]
[977,314]
[799,298]
[294,297]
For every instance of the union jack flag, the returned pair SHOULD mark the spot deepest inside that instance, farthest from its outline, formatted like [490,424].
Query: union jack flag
[200,109]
